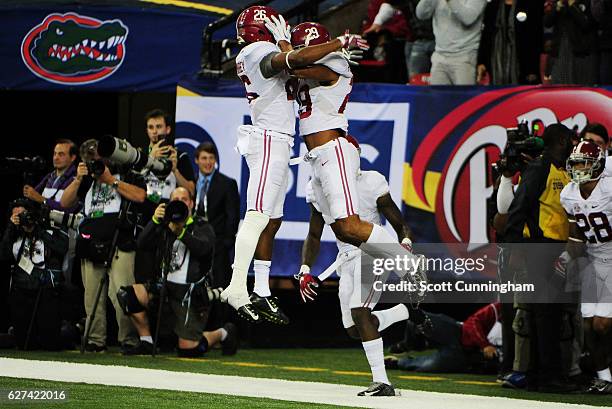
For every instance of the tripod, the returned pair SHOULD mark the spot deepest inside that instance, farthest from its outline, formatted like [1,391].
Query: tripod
[125,204]
[167,247]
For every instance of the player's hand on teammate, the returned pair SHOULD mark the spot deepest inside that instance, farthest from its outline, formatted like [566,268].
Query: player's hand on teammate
[353,56]
[308,285]
[489,352]
[278,27]
[353,41]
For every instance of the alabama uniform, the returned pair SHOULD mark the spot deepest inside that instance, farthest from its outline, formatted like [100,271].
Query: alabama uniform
[266,145]
[335,164]
[352,292]
[593,216]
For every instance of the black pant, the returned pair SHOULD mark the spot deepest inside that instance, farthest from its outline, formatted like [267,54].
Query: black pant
[546,363]
[47,322]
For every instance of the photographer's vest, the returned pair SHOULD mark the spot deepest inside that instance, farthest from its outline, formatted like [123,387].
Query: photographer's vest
[179,265]
[552,219]
[159,189]
[102,198]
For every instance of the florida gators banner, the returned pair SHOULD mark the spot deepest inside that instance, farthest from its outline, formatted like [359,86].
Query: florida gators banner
[435,145]
[126,48]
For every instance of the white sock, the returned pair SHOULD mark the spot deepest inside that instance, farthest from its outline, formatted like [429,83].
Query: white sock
[376,358]
[246,242]
[390,316]
[223,334]
[262,277]
[381,244]
[605,375]
[147,338]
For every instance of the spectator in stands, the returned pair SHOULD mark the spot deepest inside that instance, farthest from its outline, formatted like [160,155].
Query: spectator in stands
[388,31]
[596,133]
[460,347]
[508,25]
[456,26]
[573,47]
[218,201]
[417,52]
[602,12]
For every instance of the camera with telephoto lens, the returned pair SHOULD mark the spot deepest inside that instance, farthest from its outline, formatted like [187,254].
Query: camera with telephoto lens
[122,153]
[176,212]
[521,141]
[40,214]
[95,167]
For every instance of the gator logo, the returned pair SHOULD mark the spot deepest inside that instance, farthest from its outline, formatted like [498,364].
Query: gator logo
[74,49]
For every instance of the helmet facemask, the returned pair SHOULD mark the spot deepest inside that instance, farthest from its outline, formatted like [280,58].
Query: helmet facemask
[590,171]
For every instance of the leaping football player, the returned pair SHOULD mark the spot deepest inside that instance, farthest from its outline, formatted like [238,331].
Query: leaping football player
[357,316]
[266,144]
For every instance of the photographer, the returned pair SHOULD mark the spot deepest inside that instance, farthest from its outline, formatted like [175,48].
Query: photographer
[536,216]
[37,255]
[186,296]
[159,188]
[50,190]
[106,195]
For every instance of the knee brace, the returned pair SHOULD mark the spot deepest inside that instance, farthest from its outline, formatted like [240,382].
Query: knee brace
[128,301]
[195,352]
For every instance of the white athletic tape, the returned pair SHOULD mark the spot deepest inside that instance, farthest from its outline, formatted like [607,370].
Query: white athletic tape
[296,161]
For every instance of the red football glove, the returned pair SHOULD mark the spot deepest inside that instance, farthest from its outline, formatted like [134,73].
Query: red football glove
[353,41]
[308,286]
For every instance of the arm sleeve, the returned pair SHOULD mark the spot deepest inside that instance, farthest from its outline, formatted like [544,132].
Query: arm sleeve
[469,12]
[479,324]
[150,236]
[505,195]
[265,66]
[425,9]
[533,181]
[385,13]
[184,166]
[199,240]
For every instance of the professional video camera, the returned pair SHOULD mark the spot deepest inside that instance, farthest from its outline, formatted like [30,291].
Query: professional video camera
[37,214]
[26,164]
[122,153]
[521,141]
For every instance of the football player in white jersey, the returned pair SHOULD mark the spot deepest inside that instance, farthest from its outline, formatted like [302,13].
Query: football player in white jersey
[588,202]
[357,316]
[266,144]
[322,93]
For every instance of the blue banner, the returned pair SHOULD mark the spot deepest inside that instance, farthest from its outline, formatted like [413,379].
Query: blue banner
[98,48]
[435,145]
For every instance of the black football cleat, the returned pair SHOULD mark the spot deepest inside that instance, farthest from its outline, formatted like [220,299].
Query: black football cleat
[378,389]
[142,348]
[250,313]
[600,387]
[269,309]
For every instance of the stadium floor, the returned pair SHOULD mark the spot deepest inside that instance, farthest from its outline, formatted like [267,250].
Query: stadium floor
[290,376]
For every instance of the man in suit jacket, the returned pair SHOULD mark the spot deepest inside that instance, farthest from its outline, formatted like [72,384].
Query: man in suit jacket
[218,201]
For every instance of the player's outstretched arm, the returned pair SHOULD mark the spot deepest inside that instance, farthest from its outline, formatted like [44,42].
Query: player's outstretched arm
[317,73]
[387,207]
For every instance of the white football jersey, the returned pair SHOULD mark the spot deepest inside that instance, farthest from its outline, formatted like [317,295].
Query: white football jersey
[370,184]
[593,215]
[322,107]
[608,168]
[269,99]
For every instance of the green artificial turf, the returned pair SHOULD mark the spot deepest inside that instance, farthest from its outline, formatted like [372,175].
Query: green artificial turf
[86,396]
[344,366]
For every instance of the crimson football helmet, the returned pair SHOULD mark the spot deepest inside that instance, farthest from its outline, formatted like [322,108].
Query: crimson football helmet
[250,25]
[586,162]
[308,33]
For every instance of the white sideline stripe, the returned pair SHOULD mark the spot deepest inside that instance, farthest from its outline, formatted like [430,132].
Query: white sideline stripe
[313,392]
